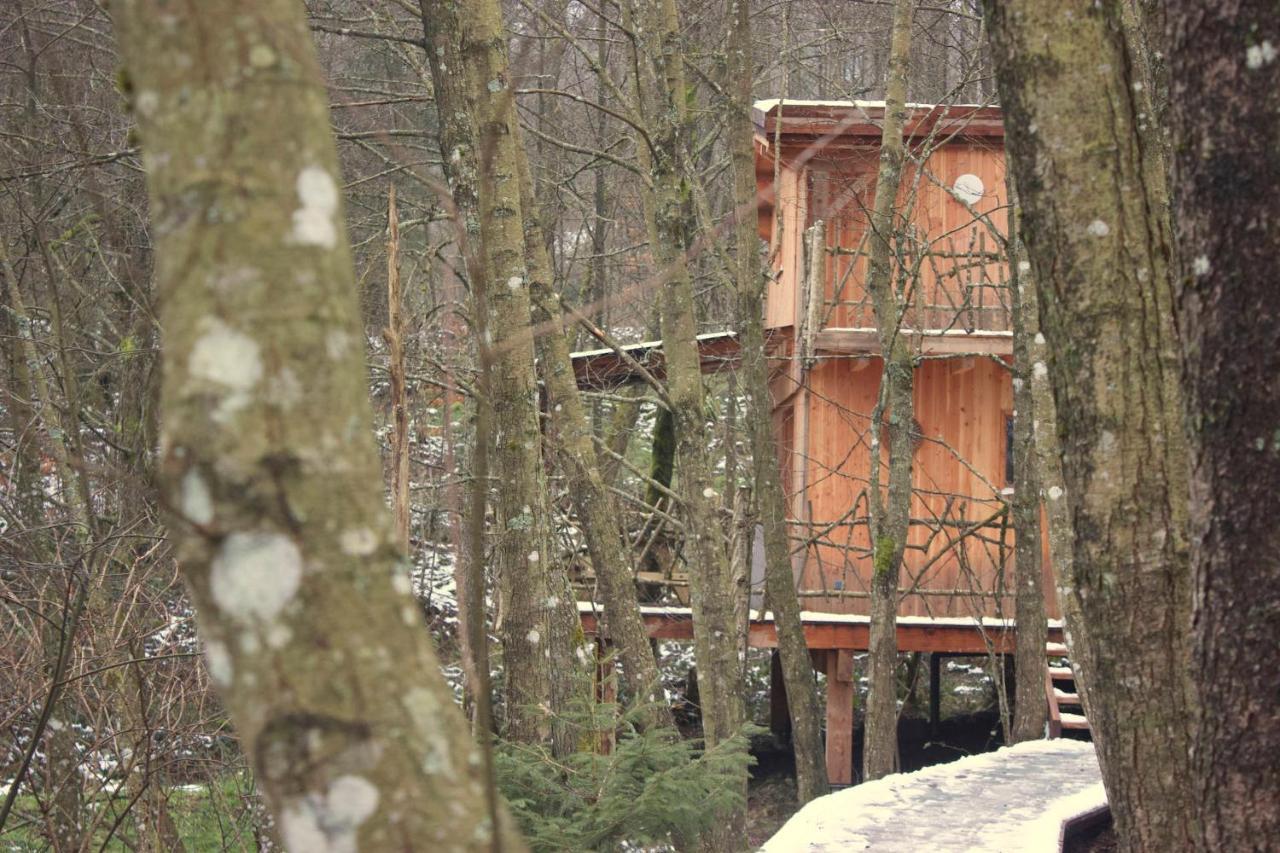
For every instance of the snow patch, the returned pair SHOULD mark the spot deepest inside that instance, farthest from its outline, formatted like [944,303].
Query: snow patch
[1013,800]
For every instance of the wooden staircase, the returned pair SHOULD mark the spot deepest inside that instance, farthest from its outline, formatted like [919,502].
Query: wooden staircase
[1060,690]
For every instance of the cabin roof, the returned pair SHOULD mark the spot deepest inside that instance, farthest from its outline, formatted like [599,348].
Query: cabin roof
[835,119]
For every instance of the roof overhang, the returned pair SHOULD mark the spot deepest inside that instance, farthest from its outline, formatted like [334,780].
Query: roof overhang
[798,120]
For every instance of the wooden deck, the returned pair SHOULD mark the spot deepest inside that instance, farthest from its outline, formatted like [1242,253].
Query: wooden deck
[848,632]
[833,639]
[1022,799]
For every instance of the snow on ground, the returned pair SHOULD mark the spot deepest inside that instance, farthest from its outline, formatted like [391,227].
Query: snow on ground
[1014,800]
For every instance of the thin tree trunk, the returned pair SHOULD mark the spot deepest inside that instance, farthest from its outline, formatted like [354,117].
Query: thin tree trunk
[1030,707]
[457,149]
[594,503]
[31,404]
[793,651]
[1225,81]
[1091,187]
[268,462]
[597,510]
[394,336]
[891,509]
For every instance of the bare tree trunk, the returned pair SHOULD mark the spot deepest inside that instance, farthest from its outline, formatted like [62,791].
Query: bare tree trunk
[596,508]
[31,405]
[310,631]
[793,651]
[394,336]
[891,509]
[1225,80]
[457,148]
[1092,194]
[1030,707]
[669,219]
[522,555]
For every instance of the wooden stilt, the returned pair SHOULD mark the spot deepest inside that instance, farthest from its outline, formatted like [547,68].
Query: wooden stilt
[779,713]
[935,692]
[840,716]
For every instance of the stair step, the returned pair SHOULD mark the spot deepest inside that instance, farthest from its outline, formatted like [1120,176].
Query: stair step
[1061,673]
[1055,650]
[1074,721]
[1065,698]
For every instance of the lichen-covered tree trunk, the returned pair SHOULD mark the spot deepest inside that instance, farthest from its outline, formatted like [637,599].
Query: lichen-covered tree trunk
[890,510]
[523,561]
[566,414]
[268,462]
[780,590]
[669,220]
[1048,462]
[1030,703]
[456,137]
[1224,65]
[596,508]
[1091,187]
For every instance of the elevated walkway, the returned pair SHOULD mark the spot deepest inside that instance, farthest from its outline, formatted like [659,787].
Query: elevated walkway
[1021,799]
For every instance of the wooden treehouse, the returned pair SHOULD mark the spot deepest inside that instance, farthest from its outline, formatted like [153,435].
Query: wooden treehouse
[952,279]
[816,165]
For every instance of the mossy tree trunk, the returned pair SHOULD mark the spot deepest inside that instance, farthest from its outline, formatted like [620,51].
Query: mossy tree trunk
[793,652]
[268,462]
[890,508]
[1091,187]
[1225,109]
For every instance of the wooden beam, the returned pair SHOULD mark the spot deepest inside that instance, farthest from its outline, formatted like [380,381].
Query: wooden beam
[916,635]
[867,342]
[935,692]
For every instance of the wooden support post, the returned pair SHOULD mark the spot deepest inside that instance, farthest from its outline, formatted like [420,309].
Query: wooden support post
[935,692]
[779,713]
[840,716]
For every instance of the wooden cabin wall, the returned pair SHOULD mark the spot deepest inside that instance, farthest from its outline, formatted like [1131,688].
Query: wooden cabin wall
[958,474]
[788,256]
[962,252]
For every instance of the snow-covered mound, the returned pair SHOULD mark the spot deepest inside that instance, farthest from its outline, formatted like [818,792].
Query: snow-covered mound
[1014,800]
